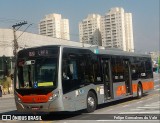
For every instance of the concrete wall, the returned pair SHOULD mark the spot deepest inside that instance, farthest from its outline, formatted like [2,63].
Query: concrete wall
[29,40]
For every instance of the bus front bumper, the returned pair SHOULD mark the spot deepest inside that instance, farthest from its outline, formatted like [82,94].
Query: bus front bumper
[38,107]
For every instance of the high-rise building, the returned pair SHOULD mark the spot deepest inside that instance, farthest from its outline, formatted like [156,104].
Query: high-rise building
[117,30]
[54,26]
[89,30]
[129,32]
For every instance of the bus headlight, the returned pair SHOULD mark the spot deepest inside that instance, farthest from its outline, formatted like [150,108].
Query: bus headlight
[54,96]
[19,100]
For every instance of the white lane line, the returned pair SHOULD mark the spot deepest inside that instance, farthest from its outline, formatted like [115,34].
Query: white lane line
[125,106]
[136,109]
[109,110]
[156,107]
[156,102]
[148,99]
[152,105]
[84,117]
[157,89]
[156,80]
[156,86]
[139,102]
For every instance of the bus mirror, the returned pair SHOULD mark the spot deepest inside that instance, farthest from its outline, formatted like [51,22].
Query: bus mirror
[30,62]
[143,74]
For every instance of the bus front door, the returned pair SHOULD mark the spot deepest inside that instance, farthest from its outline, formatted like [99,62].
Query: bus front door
[127,77]
[108,91]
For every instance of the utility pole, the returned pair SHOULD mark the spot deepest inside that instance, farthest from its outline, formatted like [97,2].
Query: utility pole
[15,47]
[15,43]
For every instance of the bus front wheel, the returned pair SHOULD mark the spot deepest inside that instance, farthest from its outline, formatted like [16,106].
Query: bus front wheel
[91,102]
[139,91]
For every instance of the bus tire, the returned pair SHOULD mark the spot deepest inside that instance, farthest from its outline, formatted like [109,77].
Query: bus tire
[139,91]
[91,102]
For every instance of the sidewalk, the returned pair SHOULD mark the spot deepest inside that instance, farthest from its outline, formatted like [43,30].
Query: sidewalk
[7,96]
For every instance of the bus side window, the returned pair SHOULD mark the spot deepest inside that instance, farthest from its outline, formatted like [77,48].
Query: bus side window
[69,75]
[148,66]
[142,69]
[134,69]
[86,69]
[78,68]
[118,69]
[69,71]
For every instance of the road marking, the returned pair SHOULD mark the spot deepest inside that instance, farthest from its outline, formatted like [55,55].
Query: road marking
[156,80]
[133,101]
[153,105]
[109,110]
[139,102]
[147,107]
[83,117]
[149,99]
[125,106]
[157,89]
[129,102]
[156,86]
[136,109]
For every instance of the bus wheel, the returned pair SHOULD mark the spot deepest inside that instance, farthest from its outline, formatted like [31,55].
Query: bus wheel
[139,91]
[91,102]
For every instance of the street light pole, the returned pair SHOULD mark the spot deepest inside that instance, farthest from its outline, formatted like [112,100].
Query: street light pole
[15,43]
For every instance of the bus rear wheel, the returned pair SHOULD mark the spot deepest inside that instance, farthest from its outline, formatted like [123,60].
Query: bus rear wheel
[91,102]
[139,91]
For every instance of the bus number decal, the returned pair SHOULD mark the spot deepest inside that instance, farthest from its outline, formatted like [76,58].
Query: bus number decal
[43,52]
[31,53]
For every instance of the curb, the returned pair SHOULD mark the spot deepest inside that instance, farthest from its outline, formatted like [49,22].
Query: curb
[7,96]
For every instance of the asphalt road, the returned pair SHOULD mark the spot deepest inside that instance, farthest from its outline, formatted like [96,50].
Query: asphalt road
[124,109]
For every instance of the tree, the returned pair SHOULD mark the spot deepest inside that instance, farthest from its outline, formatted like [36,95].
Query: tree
[159,61]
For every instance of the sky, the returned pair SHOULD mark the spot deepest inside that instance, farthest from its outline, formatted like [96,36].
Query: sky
[145,16]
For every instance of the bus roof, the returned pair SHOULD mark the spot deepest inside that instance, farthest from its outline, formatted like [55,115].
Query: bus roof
[97,50]
[110,51]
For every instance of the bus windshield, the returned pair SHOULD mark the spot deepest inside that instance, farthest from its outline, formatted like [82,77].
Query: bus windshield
[38,73]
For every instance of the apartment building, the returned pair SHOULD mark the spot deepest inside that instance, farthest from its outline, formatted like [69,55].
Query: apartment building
[89,30]
[54,26]
[117,30]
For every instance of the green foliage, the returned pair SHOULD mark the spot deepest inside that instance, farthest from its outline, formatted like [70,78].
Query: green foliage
[159,61]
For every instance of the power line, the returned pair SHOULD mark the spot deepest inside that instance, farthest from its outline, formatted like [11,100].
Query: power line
[24,30]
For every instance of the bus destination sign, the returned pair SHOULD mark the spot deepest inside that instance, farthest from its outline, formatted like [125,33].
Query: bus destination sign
[38,53]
